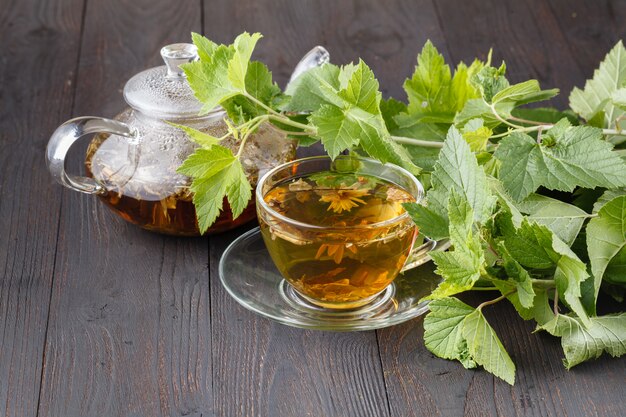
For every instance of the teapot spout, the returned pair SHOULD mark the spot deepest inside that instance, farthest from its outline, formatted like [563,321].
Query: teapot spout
[316,57]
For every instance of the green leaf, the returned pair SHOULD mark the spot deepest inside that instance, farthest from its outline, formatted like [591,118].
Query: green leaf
[239,190]
[579,157]
[207,162]
[606,242]
[619,98]
[523,283]
[336,131]
[434,95]
[201,138]
[259,85]
[389,109]
[564,220]
[216,174]
[458,169]
[485,347]
[209,79]
[362,89]
[581,343]
[476,135]
[478,108]
[460,268]
[431,223]
[490,81]
[546,115]
[535,246]
[427,89]
[443,325]
[314,88]
[523,93]
[238,66]
[206,47]
[607,196]
[597,94]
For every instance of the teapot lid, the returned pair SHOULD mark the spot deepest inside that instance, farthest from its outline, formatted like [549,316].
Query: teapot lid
[163,92]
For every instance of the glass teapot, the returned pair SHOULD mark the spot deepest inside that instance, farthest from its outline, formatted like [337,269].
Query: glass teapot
[131,161]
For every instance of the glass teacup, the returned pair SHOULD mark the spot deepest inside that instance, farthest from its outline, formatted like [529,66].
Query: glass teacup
[336,229]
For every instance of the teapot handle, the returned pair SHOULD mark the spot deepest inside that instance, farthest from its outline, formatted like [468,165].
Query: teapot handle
[316,57]
[65,136]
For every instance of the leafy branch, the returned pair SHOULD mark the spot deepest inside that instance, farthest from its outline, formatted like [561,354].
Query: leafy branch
[532,199]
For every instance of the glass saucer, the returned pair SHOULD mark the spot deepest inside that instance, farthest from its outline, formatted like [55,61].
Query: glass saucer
[250,277]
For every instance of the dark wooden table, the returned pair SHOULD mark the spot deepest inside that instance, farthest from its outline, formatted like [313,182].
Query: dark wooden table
[100,318]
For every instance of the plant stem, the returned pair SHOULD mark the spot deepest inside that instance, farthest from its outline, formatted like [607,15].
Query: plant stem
[260,103]
[543,283]
[495,300]
[556,301]
[250,130]
[285,120]
[417,142]
[502,119]
[484,289]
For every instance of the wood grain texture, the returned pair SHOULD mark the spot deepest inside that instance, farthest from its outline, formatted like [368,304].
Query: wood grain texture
[121,322]
[33,35]
[262,368]
[129,331]
[386,35]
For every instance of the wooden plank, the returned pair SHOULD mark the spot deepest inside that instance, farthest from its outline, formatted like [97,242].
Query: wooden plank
[590,29]
[262,368]
[529,38]
[129,323]
[39,50]
[525,34]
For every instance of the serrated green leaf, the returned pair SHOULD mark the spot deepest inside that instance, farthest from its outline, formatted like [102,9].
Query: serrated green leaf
[535,246]
[238,191]
[459,269]
[209,79]
[458,169]
[201,138]
[546,115]
[206,47]
[238,66]
[607,196]
[478,108]
[336,131]
[389,109]
[581,343]
[485,347]
[431,223]
[434,95]
[606,242]
[490,81]
[314,88]
[596,96]
[564,220]
[577,158]
[523,93]
[476,135]
[523,283]
[207,162]
[443,325]
[259,85]
[362,89]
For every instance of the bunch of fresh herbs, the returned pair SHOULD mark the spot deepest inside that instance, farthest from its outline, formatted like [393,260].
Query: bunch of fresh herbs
[532,199]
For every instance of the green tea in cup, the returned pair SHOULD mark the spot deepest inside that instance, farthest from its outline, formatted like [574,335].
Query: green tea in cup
[337,230]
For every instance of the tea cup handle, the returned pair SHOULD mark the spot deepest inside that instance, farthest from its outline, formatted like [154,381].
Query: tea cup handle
[65,136]
[316,57]
[421,254]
